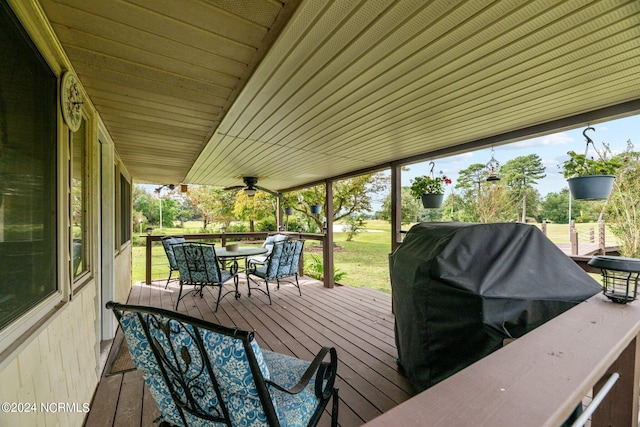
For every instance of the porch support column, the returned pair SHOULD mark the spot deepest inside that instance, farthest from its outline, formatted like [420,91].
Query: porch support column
[396,205]
[279,213]
[327,244]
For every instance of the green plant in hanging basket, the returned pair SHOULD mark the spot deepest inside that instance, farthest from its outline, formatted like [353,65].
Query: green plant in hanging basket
[426,184]
[582,165]
[286,203]
[590,178]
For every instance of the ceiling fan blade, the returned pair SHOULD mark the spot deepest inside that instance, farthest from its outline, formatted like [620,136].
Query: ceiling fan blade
[233,187]
[266,190]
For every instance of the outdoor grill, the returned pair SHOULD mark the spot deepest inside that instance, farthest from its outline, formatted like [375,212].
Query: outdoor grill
[461,291]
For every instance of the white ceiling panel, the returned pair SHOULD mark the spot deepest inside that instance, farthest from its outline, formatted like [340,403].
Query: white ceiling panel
[294,92]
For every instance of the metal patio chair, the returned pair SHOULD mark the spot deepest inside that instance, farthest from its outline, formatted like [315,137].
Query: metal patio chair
[200,373]
[167,242]
[268,245]
[199,267]
[282,262]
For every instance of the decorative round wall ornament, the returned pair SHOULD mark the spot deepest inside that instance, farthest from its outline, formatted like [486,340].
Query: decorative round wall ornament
[71,101]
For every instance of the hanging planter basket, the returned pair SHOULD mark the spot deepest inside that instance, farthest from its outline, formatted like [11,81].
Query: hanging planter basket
[591,187]
[315,209]
[432,200]
[288,211]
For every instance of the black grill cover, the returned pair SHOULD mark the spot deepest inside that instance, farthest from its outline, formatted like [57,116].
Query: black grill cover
[460,289]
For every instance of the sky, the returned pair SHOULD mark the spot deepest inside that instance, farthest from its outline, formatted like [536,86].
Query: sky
[552,149]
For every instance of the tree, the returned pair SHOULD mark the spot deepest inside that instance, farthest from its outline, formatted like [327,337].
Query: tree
[479,200]
[213,203]
[149,205]
[350,196]
[623,206]
[555,207]
[521,174]
[255,208]
[410,207]
[470,180]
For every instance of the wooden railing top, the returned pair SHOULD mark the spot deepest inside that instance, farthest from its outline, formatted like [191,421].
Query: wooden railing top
[538,379]
[256,235]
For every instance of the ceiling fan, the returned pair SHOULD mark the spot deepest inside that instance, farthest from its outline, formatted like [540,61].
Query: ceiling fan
[250,187]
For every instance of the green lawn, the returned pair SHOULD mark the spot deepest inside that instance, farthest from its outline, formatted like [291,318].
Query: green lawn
[364,260]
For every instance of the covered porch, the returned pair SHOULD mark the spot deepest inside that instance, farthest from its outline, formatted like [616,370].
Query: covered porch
[295,93]
[357,321]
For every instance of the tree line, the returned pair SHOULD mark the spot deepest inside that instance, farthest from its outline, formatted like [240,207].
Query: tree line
[234,210]
[513,198]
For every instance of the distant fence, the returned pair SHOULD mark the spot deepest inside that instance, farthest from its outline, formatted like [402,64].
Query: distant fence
[591,241]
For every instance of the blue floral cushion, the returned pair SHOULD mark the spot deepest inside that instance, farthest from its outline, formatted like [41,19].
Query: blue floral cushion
[286,371]
[167,243]
[145,361]
[284,259]
[231,369]
[198,264]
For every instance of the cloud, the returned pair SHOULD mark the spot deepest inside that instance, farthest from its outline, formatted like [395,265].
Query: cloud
[544,141]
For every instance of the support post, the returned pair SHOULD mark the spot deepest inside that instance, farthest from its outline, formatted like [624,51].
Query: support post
[148,261]
[279,213]
[327,244]
[396,205]
[574,241]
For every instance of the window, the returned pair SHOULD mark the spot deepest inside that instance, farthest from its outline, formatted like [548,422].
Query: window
[125,210]
[28,211]
[79,199]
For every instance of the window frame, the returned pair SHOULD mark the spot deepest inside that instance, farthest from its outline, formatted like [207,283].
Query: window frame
[86,273]
[120,174]
[16,335]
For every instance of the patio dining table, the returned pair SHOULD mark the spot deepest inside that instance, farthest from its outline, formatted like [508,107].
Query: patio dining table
[241,252]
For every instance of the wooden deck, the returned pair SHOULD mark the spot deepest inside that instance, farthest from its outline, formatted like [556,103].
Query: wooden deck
[357,321]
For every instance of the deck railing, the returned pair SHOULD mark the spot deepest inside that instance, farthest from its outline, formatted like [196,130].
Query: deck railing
[246,238]
[540,378]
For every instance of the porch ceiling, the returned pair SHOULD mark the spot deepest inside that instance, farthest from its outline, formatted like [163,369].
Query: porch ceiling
[346,85]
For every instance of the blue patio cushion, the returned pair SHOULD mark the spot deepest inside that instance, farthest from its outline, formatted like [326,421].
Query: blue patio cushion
[268,244]
[198,264]
[284,259]
[145,361]
[233,373]
[229,362]
[297,409]
[167,244]
[272,240]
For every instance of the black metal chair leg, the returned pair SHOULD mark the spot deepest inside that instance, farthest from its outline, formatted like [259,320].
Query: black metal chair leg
[298,285]
[334,409]
[169,279]
[235,283]
[219,294]
[179,294]
[266,283]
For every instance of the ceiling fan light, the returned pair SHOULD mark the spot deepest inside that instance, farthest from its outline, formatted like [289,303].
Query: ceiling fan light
[250,192]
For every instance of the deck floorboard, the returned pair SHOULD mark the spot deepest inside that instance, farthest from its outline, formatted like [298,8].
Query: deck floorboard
[357,321]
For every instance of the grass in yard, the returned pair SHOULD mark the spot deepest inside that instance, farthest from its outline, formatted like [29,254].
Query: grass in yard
[365,260]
